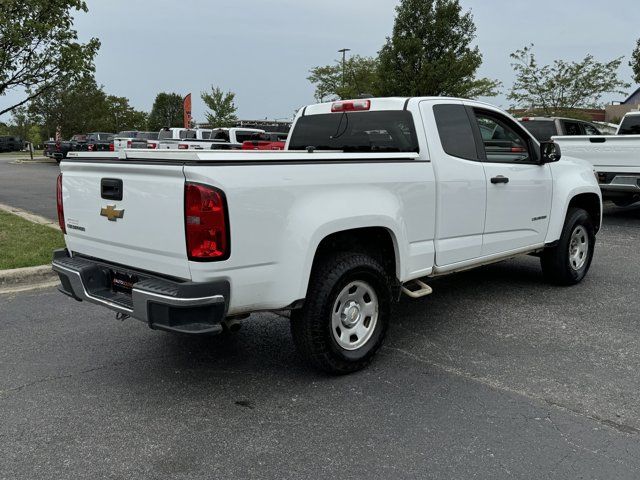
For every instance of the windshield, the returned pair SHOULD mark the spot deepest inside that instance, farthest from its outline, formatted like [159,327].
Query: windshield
[630,125]
[165,134]
[543,130]
[381,131]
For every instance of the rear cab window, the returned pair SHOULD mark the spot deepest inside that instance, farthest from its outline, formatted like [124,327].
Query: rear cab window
[630,125]
[542,130]
[370,131]
[455,131]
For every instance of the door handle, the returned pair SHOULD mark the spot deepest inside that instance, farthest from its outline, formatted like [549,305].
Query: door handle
[499,179]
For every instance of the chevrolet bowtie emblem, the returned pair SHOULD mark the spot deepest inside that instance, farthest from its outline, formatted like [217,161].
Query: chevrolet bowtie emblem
[111,213]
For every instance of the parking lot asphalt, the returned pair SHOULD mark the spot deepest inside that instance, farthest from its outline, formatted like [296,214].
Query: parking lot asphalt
[496,375]
[30,186]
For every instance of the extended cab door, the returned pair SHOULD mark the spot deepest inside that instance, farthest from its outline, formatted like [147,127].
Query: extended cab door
[461,193]
[519,189]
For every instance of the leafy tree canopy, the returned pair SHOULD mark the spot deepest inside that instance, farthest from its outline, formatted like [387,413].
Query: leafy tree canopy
[562,86]
[167,111]
[635,62]
[430,52]
[82,107]
[39,48]
[222,109]
[359,77]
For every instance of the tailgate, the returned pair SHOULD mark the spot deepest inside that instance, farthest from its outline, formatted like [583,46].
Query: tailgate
[144,230]
[605,153]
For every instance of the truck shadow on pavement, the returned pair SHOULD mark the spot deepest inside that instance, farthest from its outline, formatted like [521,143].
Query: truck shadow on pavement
[460,301]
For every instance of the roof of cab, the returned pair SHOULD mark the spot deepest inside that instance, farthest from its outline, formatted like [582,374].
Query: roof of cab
[383,103]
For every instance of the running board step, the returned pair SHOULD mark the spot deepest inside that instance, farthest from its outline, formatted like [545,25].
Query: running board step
[421,289]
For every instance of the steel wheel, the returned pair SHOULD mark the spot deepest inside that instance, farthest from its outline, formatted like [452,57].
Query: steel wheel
[354,315]
[578,248]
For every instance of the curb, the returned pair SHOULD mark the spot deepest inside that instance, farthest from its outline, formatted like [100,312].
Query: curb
[19,161]
[32,217]
[26,278]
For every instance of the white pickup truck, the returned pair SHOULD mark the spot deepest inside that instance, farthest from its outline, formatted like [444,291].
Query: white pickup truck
[370,199]
[615,158]
[218,139]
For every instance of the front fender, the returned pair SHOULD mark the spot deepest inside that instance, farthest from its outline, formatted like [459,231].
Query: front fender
[571,177]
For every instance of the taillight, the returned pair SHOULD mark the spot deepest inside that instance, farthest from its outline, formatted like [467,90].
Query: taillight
[351,106]
[152,146]
[129,143]
[90,147]
[112,148]
[206,223]
[58,147]
[183,146]
[59,204]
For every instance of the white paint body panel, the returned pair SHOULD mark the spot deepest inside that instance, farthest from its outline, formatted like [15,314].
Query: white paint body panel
[617,154]
[281,205]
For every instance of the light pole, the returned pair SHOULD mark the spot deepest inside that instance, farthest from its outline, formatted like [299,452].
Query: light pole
[344,66]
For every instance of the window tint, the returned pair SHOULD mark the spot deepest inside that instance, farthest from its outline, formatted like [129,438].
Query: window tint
[220,135]
[571,128]
[242,137]
[456,134]
[630,125]
[187,134]
[378,131]
[543,130]
[590,129]
[502,142]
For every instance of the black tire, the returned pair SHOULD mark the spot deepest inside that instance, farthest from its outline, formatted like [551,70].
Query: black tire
[311,326]
[557,266]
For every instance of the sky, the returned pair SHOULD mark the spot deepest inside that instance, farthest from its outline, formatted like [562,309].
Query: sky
[263,49]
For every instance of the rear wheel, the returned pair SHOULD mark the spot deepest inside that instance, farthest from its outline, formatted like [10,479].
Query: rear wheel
[568,262]
[345,316]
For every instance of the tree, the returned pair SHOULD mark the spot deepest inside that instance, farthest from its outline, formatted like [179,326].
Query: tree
[167,111]
[562,86]
[222,108]
[119,115]
[359,77]
[74,107]
[39,49]
[635,62]
[430,52]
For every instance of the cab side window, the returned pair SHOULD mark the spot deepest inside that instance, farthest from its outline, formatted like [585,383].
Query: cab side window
[572,128]
[590,129]
[503,142]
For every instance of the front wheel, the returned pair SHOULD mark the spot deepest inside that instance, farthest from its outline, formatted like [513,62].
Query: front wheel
[344,319]
[568,262]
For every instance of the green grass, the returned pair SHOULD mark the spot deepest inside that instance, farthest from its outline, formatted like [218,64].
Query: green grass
[36,153]
[26,244]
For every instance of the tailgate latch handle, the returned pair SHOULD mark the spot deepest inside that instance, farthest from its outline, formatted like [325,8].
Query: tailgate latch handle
[111,188]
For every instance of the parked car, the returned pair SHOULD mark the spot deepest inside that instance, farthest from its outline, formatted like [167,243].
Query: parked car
[59,149]
[218,139]
[615,158]
[133,139]
[371,198]
[168,138]
[266,141]
[11,144]
[630,124]
[98,142]
[543,128]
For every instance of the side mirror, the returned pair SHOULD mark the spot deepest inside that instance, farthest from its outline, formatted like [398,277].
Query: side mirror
[549,152]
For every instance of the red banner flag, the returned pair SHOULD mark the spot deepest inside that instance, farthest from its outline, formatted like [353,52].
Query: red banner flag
[187,111]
